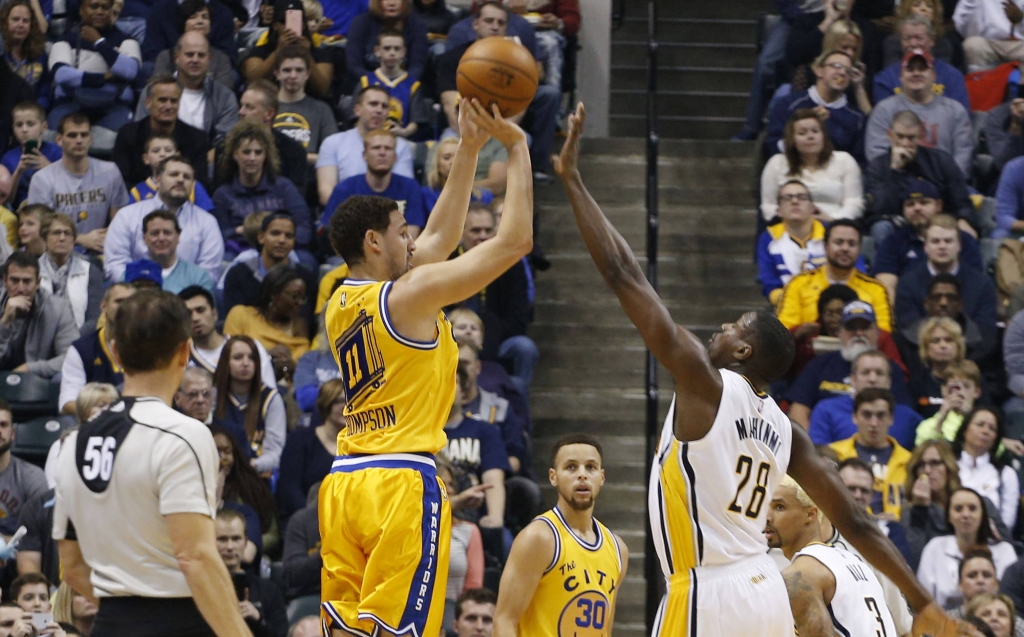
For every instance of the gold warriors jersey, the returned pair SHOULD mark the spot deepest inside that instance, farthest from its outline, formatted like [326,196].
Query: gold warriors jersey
[577,592]
[399,391]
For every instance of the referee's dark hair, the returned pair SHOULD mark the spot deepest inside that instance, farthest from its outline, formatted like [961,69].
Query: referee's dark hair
[153,324]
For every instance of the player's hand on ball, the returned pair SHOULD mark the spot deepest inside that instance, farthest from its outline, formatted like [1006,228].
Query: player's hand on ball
[934,622]
[505,131]
[567,162]
[474,123]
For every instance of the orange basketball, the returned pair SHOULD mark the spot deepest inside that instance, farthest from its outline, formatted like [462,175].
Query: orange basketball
[498,71]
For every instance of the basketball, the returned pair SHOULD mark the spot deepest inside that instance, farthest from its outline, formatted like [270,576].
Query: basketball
[498,71]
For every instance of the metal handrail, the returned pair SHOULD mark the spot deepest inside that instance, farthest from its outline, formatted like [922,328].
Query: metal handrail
[651,568]
[618,14]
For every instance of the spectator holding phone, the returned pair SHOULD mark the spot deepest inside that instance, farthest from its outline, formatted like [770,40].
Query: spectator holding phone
[289,29]
[261,604]
[24,160]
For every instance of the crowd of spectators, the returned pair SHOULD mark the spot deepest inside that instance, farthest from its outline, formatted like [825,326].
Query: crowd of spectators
[890,242]
[201,147]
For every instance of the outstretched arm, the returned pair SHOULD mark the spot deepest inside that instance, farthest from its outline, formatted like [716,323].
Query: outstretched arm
[676,348]
[804,583]
[821,481]
[445,224]
[418,295]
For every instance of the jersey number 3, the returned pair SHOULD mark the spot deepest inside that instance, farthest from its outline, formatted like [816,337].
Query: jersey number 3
[744,467]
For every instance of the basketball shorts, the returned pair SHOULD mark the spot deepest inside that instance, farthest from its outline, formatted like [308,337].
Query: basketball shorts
[748,598]
[385,528]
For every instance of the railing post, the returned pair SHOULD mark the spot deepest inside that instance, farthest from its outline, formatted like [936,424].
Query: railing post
[652,570]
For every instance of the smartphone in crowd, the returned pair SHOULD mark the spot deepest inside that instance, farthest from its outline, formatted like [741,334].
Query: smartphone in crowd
[293,21]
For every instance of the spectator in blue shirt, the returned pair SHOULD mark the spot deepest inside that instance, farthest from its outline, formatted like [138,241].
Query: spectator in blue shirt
[380,181]
[1009,200]
[476,448]
[918,32]
[832,418]
[905,246]
[395,16]
[251,173]
[313,369]
[29,124]
[161,232]
[341,13]
[845,123]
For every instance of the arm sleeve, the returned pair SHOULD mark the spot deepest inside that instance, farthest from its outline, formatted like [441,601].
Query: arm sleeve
[234,324]
[766,266]
[474,560]
[358,43]
[776,124]
[418,47]
[67,333]
[72,377]
[276,426]
[1009,496]
[290,496]
[403,164]
[818,428]
[302,562]
[789,311]
[963,142]
[117,249]
[805,386]
[853,190]
[186,474]
[875,141]
[770,178]
[211,253]
[129,59]
[493,454]
[305,383]
[300,213]
[96,291]
[225,119]
[1006,202]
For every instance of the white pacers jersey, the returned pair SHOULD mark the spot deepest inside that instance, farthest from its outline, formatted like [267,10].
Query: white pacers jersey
[858,606]
[709,497]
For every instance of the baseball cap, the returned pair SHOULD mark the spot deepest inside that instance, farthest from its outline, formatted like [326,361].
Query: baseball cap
[281,6]
[921,53]
[919,188]
[858,310]
[145,269]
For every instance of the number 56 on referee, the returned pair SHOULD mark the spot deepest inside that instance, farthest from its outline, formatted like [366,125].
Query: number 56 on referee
[136,494]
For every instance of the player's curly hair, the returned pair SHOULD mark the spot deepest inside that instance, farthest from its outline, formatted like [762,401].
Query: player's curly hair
[353,218]
[774,347]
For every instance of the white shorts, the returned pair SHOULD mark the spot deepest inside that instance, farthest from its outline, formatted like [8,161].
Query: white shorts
[748,598]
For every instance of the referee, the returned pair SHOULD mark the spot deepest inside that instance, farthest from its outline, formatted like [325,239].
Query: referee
[136,486]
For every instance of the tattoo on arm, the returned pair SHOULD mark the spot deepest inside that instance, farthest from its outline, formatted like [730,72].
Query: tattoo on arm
[812,618]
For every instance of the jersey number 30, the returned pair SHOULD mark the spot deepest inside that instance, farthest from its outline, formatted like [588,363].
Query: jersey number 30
[744,467]
[99,458]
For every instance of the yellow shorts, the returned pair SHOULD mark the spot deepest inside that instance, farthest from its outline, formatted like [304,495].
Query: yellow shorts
[385,528]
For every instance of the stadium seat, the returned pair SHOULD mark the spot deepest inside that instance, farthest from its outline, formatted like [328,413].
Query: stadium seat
[30,396]
[102,142]
[33,439]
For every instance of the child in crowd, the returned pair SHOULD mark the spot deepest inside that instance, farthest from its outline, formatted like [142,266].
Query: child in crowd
[390,75]
[960,388]
[31,154]
[315,21]
[157,149]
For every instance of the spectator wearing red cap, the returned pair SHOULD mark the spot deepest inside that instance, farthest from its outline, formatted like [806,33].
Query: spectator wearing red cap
[946,125]
[992,32]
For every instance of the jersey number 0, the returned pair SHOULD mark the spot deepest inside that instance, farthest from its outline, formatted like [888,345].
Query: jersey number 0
[744,467]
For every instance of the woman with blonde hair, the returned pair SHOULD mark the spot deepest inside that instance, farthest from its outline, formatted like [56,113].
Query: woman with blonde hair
[394,15]
[998,611]
[437,175]
[832,177]
[250,169]
[932,476]
[92,399]
[941,345]
[71,607]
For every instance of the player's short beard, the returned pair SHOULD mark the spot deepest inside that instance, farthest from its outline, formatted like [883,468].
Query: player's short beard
[581,505]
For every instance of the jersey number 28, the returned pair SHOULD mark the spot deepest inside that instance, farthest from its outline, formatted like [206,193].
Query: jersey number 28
[744,467]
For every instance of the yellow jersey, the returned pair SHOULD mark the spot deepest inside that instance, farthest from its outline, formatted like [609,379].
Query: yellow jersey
[399,391]
[576,594]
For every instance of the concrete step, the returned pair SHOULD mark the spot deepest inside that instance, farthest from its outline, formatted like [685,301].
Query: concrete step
[693,103]
[683,78]
[677,148]
[739,31]
[679,127]
[699,54]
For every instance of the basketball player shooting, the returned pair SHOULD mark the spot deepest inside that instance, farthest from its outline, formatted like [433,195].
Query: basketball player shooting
[722,454]
[385,520]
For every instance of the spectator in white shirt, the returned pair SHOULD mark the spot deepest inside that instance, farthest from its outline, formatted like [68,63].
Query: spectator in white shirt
[983,467]
[992,32]
[201,242]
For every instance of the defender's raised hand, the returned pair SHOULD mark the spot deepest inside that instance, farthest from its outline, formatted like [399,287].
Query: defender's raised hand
[567,162]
